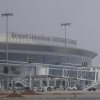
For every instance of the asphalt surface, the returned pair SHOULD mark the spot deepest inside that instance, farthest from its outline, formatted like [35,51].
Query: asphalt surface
[59,95]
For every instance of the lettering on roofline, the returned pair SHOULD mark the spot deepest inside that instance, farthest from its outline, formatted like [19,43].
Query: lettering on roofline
[41,38]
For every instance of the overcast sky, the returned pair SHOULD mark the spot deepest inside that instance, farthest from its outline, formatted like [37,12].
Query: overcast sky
[45,17]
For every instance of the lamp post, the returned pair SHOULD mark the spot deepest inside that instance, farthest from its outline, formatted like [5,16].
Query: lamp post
[65,25]
[6,15]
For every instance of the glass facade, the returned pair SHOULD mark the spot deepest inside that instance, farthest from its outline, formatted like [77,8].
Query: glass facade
[70,73]
[45,58]
[56,72]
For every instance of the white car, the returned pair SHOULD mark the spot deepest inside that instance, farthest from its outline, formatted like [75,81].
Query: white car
[72,88]
[45,88]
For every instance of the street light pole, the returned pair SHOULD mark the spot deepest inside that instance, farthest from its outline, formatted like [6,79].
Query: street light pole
[65,25]
[6,15]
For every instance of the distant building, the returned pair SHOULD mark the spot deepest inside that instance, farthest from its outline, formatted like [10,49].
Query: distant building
[42,58]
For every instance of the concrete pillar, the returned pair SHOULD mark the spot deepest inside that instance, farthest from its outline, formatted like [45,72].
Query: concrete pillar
[41,82]
[47,80]
[30,82]
[68,83]
[95,75]
[54,81]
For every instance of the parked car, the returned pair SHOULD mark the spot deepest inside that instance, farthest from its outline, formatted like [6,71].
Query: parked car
[79,88]
[72,88]
[45,88]
[40,89]
[19,86]
[69,88]
[92,89]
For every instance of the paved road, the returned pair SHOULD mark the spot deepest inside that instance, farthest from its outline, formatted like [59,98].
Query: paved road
[65,95]
[60,98]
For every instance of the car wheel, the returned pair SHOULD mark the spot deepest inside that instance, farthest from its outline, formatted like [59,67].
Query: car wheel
[49,89]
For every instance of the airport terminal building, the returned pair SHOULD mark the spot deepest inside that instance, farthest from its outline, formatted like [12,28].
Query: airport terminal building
[39,60]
